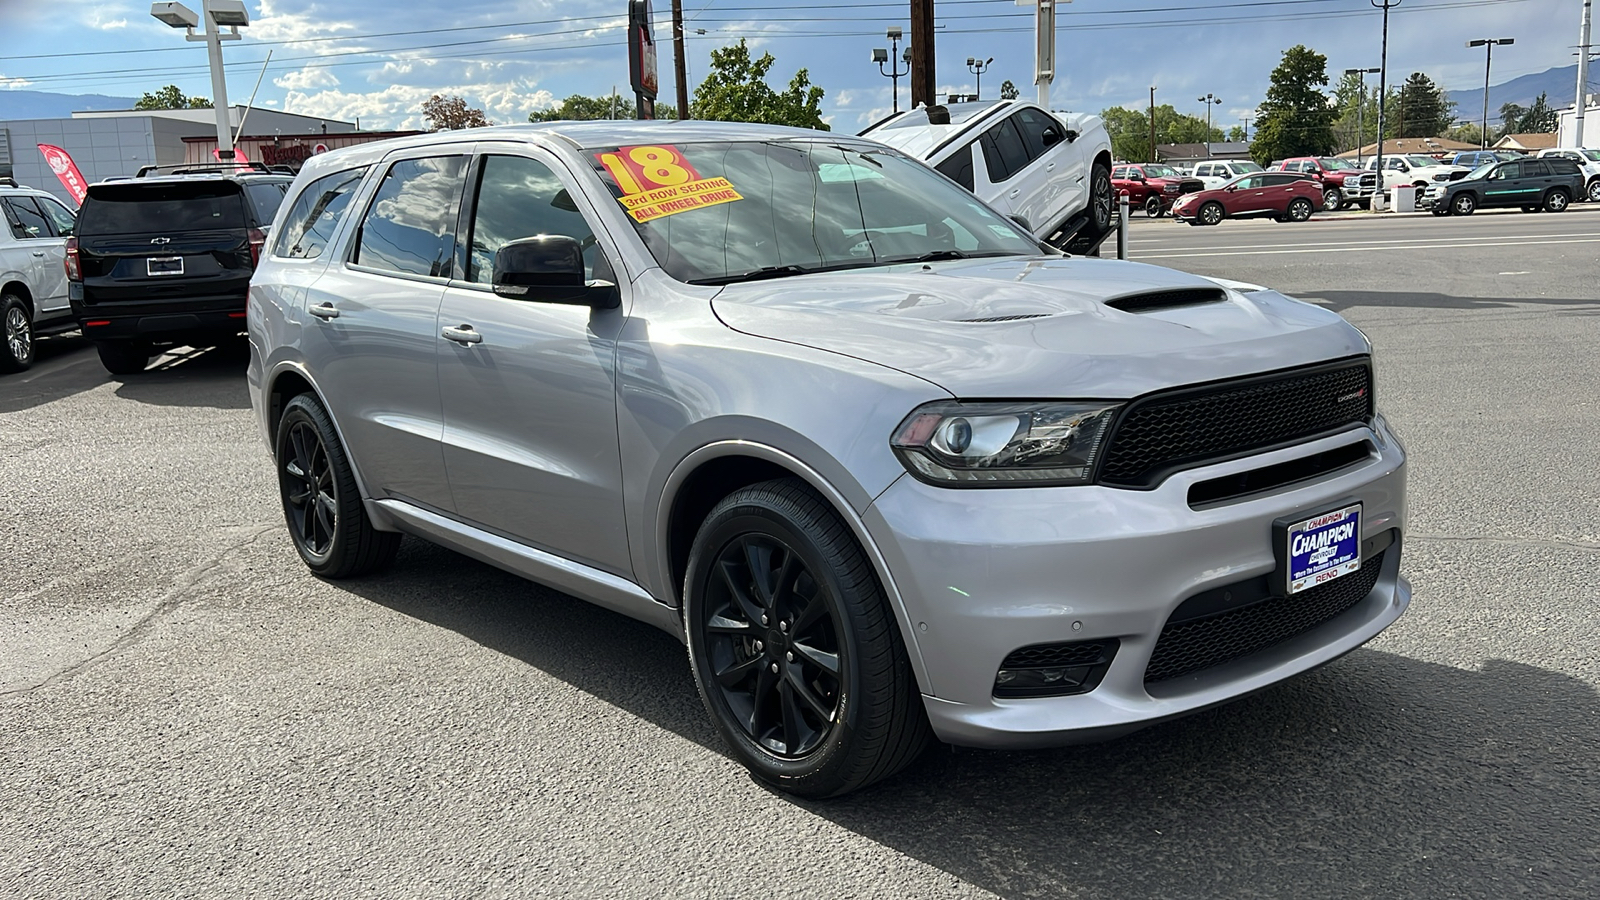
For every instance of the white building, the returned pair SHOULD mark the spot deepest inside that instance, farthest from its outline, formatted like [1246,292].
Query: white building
[1568,129]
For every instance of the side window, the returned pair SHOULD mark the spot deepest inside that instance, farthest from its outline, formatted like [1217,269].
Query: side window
[408,227]
[1251,183]
[958,167]
[1003,151]
[265,198]
[1276,180]
[65,221]
[1509,171]
[26,219]
[1202,171]
[305,228]
[1532,168]
[1119,172]
[520,197]
[1039,131]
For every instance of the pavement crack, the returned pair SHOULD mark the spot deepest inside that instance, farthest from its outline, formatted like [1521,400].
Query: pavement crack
[180,591]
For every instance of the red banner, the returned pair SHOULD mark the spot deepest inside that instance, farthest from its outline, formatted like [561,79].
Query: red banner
[61,163]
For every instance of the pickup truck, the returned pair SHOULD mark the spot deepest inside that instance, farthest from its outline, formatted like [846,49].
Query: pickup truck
[1050,171]
[1418,169]
[1343,183]
[1152,187]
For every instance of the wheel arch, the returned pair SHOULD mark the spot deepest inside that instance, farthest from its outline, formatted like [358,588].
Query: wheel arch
[288,381]
[716,470]
[20,290]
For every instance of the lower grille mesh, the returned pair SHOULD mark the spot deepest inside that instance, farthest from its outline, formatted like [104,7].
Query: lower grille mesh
[1192,646]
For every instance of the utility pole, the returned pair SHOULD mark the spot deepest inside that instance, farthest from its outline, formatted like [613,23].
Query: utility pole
[1361,108]
[922,73]
[1383,77]
[1152,123]
[1044,51]
[677,61]
[1583,76]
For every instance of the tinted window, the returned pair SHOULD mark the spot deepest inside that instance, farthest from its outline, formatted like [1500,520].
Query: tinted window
[65,220]
[1534,169]
[1253,181]
[517,198]
[1119,172]
[26,219]
[1562,166]
[1509,170]
[1003,151]
[958,168]
[132,208]
[1277,180]
[409,225]
[309,224]
[266,197]
[1034,124]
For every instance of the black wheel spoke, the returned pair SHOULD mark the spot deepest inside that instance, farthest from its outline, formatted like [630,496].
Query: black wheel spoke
[828,662]
[724,625]
[791,717]
[739,671]
[764,682]
[759,559]
[813,609]
[741,596]
[799,689]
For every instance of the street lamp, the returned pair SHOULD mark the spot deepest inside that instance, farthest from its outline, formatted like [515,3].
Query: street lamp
[978,67]
[1488,58]
[1361,108]
[219,14]
[893,57]
[1208,100]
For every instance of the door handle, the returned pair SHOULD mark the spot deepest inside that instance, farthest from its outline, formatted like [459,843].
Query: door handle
[39,253]
[1050,167]
[1013,194]
[462,334]
[324,311]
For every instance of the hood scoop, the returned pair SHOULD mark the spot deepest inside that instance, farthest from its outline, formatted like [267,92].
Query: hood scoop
[1014,318]
[1151,301]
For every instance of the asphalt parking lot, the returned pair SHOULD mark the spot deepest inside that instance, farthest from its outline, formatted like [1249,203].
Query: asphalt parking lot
[185,712]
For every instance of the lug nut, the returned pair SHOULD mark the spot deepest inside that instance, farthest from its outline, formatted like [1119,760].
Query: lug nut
[783,626]
[763,620]
[758,646]
[789,657]
[774,668]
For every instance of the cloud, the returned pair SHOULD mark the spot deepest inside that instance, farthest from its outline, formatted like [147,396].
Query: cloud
[12,84]
[306,79]
[106,18]
[399,107]
[270,24]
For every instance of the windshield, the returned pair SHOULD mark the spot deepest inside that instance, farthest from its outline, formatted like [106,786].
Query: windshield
[1335,164]
[714,213]
[1482,170]
[1593,155]
[1160,172]
[1417,159]
[1246,167]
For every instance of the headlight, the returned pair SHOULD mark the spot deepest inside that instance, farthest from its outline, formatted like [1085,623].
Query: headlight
[1001,444]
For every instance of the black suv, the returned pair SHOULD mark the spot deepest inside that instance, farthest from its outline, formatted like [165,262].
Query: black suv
[166,258]
[1549,184]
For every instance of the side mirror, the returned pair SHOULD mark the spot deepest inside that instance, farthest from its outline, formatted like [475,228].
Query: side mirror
[1136,176]
[548,268]
[1050,136]
[1021,220]
[1071,135]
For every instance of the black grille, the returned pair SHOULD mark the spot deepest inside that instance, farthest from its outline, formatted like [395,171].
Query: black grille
[1013,318]
[1191,186]
[1197,644]
[1082,653]
[1162,433]
[1053,670]
[1154,300]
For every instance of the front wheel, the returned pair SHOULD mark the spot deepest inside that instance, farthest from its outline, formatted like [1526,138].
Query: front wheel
[1556,201]
[1210,214]
[1332,197]
[1594,191]
[796,653]
[1299,209]
[124,357]
[1152,206]
[17,353]
[321,503]
[1463,204]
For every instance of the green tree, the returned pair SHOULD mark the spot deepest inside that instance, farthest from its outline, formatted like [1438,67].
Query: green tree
[736,90]
[1296,118]
[1535,119]
[579,108]
[1466,133]
[170,97]
[1008,90]
[1236,133]
[1418,108]
[450,113]
[1130,130]
[1357,105]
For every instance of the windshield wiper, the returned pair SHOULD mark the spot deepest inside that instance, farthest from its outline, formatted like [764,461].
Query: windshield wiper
[760,274]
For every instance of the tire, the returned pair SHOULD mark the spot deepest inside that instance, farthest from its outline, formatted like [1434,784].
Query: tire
[1593,192]
[1463,204]
[1332,197]
[16,351]
[796,653]
[1152,206]
[123,357]
[1101,200]
[321,504]
[1557,201]
[1299,209]
[1210,213]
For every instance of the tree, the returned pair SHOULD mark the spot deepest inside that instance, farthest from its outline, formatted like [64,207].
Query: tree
[1535,119]
[1236,133]
[1466,133]
[1296,118]
[1130,130]
[170,97]
[1008,91]
[1357,105]
[579,108]
[1419,108]
[736,91]
[450,113]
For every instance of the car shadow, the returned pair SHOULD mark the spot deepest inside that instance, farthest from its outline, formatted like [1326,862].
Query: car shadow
[1377,776]
[1339,301]
[191,376]
[61,368]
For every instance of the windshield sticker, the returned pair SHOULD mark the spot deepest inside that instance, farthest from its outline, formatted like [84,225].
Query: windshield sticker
[657,181]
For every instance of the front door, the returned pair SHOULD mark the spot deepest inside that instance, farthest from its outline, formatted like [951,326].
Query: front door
[1062,180]
[1505,187]
[1248,196]
[529,389]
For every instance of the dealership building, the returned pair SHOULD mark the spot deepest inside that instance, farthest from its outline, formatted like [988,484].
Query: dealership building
[116,143]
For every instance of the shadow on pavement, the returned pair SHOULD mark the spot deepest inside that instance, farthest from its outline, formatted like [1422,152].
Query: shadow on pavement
[1377,776]
[1339,301]
[62,366]
[189,376]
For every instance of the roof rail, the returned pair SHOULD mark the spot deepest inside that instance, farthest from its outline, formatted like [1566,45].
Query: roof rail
[201,169]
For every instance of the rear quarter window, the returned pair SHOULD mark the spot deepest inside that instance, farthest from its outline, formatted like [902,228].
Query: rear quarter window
[309,223]
[132,208]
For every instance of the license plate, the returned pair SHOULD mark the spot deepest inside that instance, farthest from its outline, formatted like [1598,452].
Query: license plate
[164,265]
[1324,547]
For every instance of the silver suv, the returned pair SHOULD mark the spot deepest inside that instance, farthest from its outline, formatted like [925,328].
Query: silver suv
[887,466]
[33,274]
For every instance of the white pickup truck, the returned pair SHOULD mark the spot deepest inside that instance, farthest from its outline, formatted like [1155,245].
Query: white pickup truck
[1417,169]
[1048,170]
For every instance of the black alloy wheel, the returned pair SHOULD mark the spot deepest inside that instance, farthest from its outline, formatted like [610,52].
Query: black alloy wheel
[1100,197]
[1299,209]
[1463,204]
[1332,198]
[1556,201]
[17,352]
[1210,214]
[796,655]
[321,503]
[1152,206]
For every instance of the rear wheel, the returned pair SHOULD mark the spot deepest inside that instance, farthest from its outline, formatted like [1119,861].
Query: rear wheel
[1332,197]
[1210,214]
[1556,201]
[1299,209]
[1463,204]
[321,502]
[17,352]
[1594,191]
[1100,199]
[794,649]
[124,357]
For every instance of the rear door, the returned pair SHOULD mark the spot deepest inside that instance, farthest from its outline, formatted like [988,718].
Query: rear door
[40,255]
[165,240]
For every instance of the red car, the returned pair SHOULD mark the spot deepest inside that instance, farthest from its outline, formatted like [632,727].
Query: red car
[1151,187]
[1343,182]
[1284,196]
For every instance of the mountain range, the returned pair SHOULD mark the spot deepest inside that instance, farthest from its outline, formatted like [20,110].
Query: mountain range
[1559,86]
[45,105]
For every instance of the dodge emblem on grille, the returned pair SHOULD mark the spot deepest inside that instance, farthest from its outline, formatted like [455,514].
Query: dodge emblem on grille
[1355,395]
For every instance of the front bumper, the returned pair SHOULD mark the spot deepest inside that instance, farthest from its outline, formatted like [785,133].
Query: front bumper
[985,572]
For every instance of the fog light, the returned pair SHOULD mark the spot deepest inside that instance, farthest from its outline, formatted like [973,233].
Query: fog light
[1054,670]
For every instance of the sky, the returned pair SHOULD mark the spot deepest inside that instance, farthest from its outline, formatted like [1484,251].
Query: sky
[344,58]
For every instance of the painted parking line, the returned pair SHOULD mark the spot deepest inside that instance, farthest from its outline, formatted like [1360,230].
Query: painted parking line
[1371,243]
[1363,248]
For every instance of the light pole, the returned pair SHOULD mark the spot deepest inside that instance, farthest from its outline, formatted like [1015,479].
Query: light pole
[1383,76]
[1361,108]
[219,14]
[1208,100]
[1488,59]
[978,67]
[893,57]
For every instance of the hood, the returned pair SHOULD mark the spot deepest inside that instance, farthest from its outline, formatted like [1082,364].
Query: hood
[1037,327]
